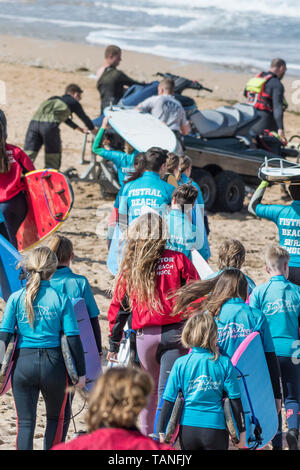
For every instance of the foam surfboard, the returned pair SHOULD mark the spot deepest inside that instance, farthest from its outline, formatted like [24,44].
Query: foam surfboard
[92,359]
[124,350]
[6,364]
[50,198]
[140,130]
[279,170]
[256,391]
[9,273]
[203,268]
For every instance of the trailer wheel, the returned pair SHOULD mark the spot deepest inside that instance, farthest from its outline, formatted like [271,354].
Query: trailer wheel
[207,185]
[230,192]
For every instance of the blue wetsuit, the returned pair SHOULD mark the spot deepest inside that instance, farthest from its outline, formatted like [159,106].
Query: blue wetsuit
[148,190]
[39,365]
[279,300]
[184,235]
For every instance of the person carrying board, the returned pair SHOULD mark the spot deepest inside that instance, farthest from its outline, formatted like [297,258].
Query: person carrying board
[40,314]
[279,300]
[14,163]
[204,377]
[224,298]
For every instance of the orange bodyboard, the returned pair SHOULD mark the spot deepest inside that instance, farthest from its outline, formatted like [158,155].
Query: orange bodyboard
[50,198]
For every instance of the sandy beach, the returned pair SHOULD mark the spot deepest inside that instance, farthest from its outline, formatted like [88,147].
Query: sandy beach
[33,70]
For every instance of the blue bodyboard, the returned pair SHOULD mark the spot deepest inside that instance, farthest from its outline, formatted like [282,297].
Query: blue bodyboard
[9,274]
[92,359]
[256,391]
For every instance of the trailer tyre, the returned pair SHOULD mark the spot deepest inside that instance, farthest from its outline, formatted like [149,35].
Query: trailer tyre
[207,185]
[230,192]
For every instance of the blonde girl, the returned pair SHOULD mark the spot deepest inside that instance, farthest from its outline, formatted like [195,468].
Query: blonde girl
[39,315]
[204,377]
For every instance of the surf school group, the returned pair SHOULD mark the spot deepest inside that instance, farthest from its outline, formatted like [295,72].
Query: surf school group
[197,359]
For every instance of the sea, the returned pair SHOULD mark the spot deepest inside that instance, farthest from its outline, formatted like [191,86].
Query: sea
[238,34]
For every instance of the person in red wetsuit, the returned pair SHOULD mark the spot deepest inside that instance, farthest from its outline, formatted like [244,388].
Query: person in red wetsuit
[114,406]
[13,164]
[146,286]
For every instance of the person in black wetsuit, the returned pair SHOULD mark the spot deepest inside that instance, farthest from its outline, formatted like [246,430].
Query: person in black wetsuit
[44,127]
[266,93]
[110,80]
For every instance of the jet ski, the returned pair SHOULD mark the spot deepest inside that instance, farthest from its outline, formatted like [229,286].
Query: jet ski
[226,155]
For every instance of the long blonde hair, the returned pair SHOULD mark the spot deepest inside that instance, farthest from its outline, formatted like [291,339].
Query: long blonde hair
[211,294]
[144,246]
[40,263]
[117,398]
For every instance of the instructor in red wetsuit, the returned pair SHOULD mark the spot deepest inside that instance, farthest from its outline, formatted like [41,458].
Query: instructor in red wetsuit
[13,164]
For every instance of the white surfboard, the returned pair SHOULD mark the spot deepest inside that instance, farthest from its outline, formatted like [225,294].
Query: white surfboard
[141,130]
[203,268]
[279,170]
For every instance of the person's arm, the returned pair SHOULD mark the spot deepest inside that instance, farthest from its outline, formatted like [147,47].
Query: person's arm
[77,352]
[164,417]
[97,333]
[26,162]
[96,148]
[277,100]
[117,316]
[257,197]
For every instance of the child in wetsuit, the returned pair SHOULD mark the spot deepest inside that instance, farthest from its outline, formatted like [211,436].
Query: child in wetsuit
[279,300]
[203,376]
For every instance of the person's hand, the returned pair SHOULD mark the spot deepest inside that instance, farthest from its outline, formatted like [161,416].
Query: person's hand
[94,131]
[242,443]
[112,357]
[105,122]
[162,437]
[81,382]
[79,129]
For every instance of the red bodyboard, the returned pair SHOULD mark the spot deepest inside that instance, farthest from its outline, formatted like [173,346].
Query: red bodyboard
[50,199]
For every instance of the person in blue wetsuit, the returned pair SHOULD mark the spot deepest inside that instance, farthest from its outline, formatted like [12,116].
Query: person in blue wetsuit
[279,300]
[203,376]
[148,190]
[199,211]
[224,298]
[123,161]
[232,255]
[287,219]
[184,235]
[39,315]
[75,286]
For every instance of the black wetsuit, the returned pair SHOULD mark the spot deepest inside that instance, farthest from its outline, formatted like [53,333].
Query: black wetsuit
[111,86]
[271,120]
[44,127]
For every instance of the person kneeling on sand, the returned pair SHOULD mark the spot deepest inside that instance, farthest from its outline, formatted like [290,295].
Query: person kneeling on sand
[115,403]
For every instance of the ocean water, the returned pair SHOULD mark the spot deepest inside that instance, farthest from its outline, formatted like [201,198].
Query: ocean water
[239,34]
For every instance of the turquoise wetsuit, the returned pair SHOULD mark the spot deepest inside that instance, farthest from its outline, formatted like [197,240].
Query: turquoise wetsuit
[148,190]
[203,382]
[74,286]
[123,162]
[184,235]
[279,300]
